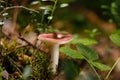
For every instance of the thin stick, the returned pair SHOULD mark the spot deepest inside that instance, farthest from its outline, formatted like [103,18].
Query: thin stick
[30,44]
[13,7]
[93,69]
[112,69]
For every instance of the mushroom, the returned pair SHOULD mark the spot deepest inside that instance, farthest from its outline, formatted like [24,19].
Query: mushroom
[53,40]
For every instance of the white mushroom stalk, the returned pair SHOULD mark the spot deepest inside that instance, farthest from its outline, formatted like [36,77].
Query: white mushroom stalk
[54,57]
[54,40]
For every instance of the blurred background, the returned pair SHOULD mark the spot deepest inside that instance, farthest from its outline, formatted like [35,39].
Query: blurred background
[94,19]
[70,15]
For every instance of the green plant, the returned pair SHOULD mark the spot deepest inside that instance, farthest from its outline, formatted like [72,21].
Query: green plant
[115,38]
[92,33]
[85,53]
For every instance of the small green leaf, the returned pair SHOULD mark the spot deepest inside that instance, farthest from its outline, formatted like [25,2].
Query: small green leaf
[85,41]
[50,17]
[35,2]
[100,66]
[87,52]
[115,38]
[47,7]
[27,72]
[64,5]
[70,52]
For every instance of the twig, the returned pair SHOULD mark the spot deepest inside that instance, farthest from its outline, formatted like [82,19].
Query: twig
[19,37]
[112,68]
[31,44]
[99,78]
[27,42]
[13,7]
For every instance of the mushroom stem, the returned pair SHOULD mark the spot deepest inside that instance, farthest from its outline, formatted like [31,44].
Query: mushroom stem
[54,57]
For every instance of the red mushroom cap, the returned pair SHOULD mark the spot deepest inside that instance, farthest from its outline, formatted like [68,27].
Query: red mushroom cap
[49,38]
